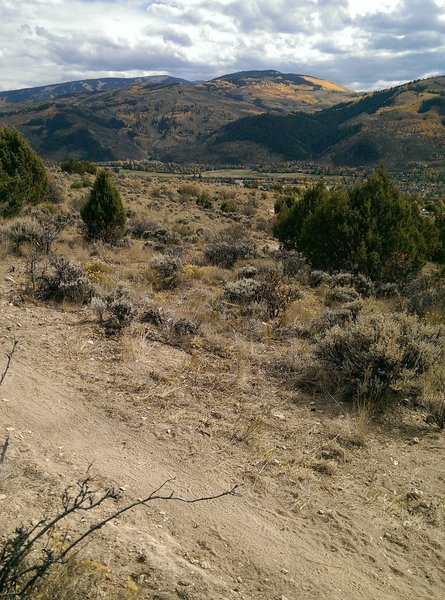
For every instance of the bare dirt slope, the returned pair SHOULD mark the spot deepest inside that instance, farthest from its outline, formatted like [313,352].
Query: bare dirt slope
[140,415]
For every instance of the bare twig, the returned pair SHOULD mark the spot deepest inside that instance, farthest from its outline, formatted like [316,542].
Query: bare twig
[23,558]
[8,360]
[4,450]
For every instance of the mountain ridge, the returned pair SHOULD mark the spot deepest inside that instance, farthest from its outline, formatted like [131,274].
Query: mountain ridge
[247,117]
[80,86]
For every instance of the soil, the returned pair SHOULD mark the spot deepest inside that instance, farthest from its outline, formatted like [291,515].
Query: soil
[73,398]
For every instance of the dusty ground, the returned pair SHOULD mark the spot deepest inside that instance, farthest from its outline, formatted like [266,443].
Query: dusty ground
[324,513]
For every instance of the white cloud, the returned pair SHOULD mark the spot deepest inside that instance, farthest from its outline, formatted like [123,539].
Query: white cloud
[354,42]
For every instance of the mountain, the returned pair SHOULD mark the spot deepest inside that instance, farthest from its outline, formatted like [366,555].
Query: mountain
[398,125]
[157,119]
[83,86]
[281,92]
[240,118]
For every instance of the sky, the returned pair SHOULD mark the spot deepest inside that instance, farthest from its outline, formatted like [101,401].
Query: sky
[361,44]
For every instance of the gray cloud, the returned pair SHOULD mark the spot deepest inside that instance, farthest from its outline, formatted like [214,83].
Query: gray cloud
[45,41]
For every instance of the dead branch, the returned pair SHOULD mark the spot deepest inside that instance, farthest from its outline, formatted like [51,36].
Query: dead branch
[4,450]
[24,559]
[8,360]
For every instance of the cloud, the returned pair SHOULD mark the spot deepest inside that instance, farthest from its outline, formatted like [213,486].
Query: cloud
[359,44]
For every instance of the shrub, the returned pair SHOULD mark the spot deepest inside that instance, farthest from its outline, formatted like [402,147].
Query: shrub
[277,295]
[99,306]
[189,189]
[228,246]
[78,166]
[65,280]
[293,263]
[103,214]
[167,270]
[317,278]
[228,206]
[362,284]
[339,316]
[244,291]
[376,355]
[341,295]
[143,228]
[21,232]
[204,200]
[41,230]
[184,327]
[152,314]
[424,294]
[247,272]
[54,193]
[23,177]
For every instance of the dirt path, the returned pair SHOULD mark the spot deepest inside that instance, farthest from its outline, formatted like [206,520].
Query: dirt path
[68,402]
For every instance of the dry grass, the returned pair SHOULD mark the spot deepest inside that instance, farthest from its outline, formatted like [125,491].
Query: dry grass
[226,392]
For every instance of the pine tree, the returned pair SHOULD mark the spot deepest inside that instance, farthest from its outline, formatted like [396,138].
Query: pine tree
[103,213]
[23,178]
[371,229]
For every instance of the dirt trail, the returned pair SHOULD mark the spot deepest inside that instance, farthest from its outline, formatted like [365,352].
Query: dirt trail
[70,404]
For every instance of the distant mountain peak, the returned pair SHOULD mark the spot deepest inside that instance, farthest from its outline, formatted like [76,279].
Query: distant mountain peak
[82,86]
[241,78]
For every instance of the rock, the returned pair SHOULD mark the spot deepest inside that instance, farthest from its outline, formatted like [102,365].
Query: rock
[3,497]
[414,494]
[414,441]
[279,416]
[206,565]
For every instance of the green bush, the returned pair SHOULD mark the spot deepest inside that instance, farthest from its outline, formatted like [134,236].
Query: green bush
[23,177]
[371,229]
[103,214]
[376,356]
[78,166]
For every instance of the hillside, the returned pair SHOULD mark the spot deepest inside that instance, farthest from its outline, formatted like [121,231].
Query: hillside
[243,118]
[333,504]
[278,92]
[83,86]
[399,125]
[156,120]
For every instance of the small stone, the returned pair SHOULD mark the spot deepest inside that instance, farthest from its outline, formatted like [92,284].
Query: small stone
[206,565]
[5,400]
[285,571]
[279,416]
[414,441]
[3,497]
[414,494]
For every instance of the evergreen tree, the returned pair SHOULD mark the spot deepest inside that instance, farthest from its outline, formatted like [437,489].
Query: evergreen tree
[23,177]
[371,229]
[103,213]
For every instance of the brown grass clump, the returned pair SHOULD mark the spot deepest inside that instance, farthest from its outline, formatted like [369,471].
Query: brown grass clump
[433,395]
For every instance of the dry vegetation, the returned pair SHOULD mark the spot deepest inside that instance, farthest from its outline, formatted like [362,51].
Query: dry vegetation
[197,349]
